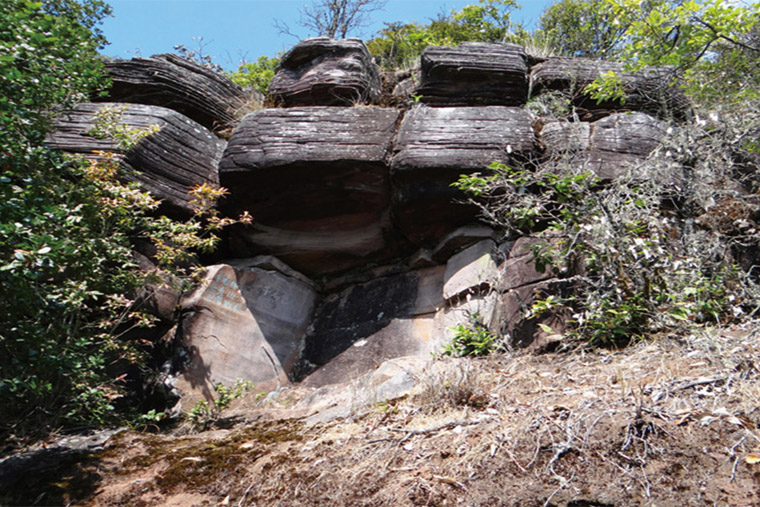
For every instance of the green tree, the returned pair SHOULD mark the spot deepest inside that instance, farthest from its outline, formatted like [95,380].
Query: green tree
[713,43]
[67,267]
[256,74]
[583,28]
[398,45]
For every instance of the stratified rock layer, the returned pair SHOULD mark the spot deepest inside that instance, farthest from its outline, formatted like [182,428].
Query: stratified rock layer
[326,72]
[316,180]
[437,145]
[653,90]
[179,84]
[474,74]
[608,147]
[182,154]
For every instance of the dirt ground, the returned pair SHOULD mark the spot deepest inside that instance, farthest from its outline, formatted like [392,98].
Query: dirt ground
[673,421]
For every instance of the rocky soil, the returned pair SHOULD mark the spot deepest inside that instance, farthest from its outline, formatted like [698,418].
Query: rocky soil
[671,421]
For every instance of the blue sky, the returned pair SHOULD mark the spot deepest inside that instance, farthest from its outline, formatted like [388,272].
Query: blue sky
[233,30]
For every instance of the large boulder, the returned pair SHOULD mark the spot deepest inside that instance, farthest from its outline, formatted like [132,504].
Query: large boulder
[176,83]
[474,74]
[437,145]
[244,323]
[652,90]
[181,155]
[316,179]
[326,72]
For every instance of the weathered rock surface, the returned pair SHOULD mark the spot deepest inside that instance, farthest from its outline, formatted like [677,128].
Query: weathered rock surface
[244,323]
[471,271]
[474,73]
[521,284]
[173,82]
[382,311]
[620,140]
[653,90]
[168,164]
[608,146]
[437,145]
[316,180]
[326,72]
[559,137]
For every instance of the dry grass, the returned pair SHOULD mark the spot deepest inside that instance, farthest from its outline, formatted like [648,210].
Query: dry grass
[672,421]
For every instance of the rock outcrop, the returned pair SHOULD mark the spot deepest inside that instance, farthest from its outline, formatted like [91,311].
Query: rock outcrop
[655,91]
[244,322]
[181,155]
[609,146]
[317,180]
[437,145]
[176,83]
[474,74]
[326,72]
[362,250]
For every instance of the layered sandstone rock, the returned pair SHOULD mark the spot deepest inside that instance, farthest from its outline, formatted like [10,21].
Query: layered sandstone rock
[176,83]
[317,181]
[474,74]
[437,145]
[326,72]
[181,155]
[609,147]
[655,91]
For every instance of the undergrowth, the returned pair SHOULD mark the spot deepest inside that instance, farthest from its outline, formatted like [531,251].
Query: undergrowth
[660,248]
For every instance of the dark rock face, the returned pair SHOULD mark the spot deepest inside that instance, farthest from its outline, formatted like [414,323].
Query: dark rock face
[357,313]
[316,179]
[176,83]
[474,74]
[326,72]
[437,145]
[654,91]
[180,155]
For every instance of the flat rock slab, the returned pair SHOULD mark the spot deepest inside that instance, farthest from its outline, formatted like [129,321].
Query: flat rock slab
[653,90]
[326,72]
[437,145]
[474,74]
[244,323]
[171,81]
[181,155]
[471,271]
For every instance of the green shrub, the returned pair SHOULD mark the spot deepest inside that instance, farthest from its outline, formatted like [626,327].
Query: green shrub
[473,339]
